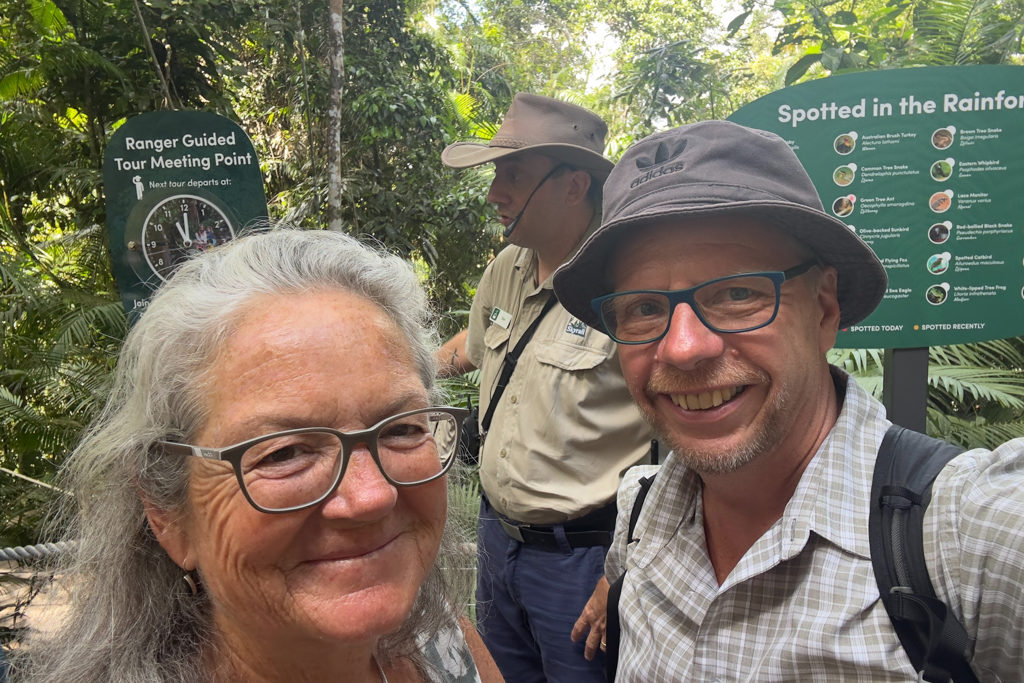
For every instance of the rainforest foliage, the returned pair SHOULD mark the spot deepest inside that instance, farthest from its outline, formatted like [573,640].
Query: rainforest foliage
[349,106]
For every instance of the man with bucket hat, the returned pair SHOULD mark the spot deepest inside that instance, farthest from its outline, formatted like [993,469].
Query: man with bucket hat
[564,428]
[725,283]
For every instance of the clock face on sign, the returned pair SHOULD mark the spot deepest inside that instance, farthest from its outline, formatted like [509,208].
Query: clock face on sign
[179,227]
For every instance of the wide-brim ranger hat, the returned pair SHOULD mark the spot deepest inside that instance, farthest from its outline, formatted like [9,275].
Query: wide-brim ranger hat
[719,168]
[535,123]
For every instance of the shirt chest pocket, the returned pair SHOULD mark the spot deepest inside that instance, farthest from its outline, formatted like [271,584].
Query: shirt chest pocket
[495,337]
[586,354]
[575,357]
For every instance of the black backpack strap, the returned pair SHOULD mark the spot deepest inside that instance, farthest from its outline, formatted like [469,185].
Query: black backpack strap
[508,364]
[934,640]
[611,631]
[611,634]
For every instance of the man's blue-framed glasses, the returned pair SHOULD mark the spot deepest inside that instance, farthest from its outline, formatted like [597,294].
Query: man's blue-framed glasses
[737,303]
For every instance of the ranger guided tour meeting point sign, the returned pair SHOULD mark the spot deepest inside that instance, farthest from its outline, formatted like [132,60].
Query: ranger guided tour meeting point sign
[926,166]
[177,183]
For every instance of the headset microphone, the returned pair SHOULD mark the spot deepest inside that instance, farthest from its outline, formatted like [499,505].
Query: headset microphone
[515,221]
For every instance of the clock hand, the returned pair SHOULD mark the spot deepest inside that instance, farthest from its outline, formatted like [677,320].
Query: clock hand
[185,239]
[188,240]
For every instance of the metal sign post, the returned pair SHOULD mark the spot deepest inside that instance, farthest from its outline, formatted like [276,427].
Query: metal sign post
[905,387]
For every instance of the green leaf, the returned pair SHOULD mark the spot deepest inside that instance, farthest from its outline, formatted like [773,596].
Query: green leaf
[48,17]
[832,58]
[844,18]
[21,83]
[800,67]
[737,23]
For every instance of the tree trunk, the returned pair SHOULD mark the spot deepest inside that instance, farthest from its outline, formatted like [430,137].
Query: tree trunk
[334,171]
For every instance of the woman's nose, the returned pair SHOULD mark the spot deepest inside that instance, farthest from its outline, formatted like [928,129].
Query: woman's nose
[363,493]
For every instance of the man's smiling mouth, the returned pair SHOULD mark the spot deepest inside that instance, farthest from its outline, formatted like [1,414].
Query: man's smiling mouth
[706,399]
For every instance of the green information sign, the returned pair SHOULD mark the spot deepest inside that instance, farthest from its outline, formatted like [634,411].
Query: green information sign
[926,165]
[177,183]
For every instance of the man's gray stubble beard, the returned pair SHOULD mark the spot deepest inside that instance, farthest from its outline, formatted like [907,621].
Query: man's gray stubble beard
[712,461]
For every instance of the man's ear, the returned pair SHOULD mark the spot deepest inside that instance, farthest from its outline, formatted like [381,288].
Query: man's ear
[579,184]
[828,303]
[169,529]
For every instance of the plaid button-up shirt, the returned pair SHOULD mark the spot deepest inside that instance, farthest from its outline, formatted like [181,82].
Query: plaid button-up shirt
[802,603]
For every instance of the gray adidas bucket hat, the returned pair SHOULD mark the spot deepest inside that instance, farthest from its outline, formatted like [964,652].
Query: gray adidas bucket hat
[535,123]
[717,168]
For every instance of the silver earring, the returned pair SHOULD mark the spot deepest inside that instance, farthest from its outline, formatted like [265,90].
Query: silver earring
[191,582]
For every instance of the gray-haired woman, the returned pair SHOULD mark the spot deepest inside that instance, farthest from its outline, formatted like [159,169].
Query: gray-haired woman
[263,497]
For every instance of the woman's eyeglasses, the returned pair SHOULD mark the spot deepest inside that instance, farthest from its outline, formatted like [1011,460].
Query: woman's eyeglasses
[299,468]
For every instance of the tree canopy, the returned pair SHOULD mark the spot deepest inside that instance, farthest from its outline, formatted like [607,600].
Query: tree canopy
[405,78]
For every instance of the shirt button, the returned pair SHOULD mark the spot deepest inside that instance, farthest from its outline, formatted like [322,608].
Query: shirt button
[504,453]
[513,399]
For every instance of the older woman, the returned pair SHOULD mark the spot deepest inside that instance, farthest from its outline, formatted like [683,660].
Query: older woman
[263,498]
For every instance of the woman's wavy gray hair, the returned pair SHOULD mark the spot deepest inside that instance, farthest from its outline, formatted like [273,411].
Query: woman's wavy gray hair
[132,618]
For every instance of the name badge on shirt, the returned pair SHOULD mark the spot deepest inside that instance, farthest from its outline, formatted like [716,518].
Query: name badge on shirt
[500,317]
[577,327]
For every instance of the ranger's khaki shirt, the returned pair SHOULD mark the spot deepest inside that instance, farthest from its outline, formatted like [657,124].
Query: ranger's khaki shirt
[566,427]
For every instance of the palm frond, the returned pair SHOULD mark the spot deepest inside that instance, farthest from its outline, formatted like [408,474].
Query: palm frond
[973,433]
[976,391]
[979,383]
[463,390]
[957,32]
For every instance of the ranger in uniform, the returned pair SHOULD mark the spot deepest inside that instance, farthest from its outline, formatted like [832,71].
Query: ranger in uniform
[564,429]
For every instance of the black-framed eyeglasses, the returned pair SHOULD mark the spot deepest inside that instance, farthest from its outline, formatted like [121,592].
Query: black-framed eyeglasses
[299,468]
[736,303]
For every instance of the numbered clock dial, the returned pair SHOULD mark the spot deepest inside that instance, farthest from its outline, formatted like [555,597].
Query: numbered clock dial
[180,227]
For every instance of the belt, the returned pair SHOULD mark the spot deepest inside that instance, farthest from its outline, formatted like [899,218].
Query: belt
[592,529]
[545,537]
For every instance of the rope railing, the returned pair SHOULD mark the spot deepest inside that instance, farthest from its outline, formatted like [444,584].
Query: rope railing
[31,553]
[19,475]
